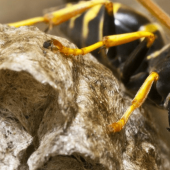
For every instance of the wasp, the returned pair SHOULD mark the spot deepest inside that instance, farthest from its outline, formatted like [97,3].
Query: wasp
[135,47]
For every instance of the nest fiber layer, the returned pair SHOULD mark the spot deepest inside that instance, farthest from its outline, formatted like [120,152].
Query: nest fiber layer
[55,110]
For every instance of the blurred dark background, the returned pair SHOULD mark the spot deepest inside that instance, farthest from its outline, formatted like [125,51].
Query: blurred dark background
[11,11]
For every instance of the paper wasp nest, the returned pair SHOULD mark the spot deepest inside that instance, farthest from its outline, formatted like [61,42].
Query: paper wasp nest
[55,110]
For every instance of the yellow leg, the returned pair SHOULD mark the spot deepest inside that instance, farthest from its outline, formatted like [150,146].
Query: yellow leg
[65,14]
[27,22]
[62,15]
[107,41]
[137,102]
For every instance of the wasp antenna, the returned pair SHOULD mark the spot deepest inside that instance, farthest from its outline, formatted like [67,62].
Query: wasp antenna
[156,11]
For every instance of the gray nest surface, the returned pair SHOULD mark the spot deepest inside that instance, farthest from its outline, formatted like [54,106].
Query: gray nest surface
[54,111]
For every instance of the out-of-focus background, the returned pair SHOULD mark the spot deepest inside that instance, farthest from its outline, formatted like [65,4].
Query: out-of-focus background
[11,11]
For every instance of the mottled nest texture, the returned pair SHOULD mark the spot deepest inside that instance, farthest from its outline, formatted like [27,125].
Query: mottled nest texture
[54,111]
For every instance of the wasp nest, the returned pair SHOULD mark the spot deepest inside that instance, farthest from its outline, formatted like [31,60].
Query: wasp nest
[55,110]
